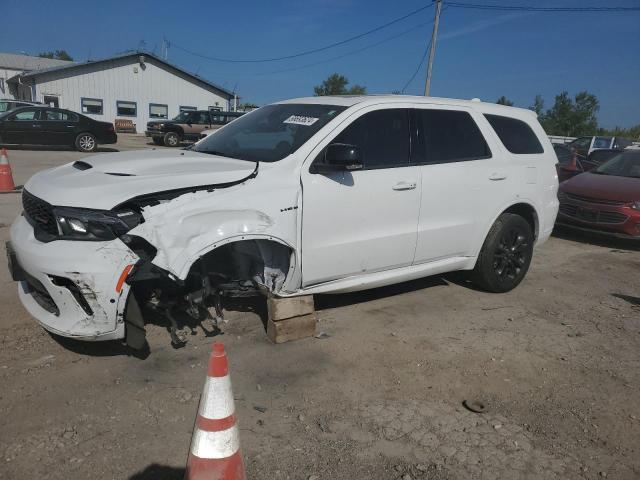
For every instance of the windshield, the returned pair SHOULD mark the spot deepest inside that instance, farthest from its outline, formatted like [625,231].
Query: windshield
[625,164]
[269,133]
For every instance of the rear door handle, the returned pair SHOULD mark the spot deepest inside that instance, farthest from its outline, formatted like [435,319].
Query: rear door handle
[404,186]
[497,176]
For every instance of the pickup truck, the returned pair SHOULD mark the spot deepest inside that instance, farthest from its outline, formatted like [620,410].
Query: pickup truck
[187,126]
[311,195]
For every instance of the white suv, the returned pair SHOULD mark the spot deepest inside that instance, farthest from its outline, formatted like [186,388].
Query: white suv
[312,195]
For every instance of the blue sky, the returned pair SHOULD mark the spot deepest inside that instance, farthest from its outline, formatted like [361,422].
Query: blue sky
[482,54]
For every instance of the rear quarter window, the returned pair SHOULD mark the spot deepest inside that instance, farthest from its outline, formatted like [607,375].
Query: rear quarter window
[516,135]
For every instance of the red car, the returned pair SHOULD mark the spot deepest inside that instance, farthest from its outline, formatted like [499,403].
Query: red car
[606,198]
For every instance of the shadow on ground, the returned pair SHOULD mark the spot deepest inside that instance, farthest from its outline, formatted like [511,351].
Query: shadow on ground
[336,300]
[100,349]
[159,472]
[635,301]
[55,148]
[595,238]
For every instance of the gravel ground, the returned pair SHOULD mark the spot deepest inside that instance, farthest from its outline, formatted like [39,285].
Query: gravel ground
[555,362]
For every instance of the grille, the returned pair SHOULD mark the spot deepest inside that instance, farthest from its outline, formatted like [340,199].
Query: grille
[592,216]
[39,212]
[601,201]
[40,295]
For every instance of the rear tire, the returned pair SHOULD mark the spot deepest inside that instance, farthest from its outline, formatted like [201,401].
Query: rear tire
[86,142]
[506,254]
[171,139]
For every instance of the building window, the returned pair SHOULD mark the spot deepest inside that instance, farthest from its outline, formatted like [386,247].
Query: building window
[51,100]
[215,109]
[184,108]
[126,109]
[157,110]
[91,105]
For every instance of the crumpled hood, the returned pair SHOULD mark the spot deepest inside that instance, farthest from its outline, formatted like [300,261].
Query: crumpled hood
[104,181]
[606,187]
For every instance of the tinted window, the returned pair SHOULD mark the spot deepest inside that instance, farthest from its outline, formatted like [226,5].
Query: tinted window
[26,115]
[601,156]
[444,136]
[563,153]
[202,118]
[270,133]
[59,115]
[516,135]
[381,136]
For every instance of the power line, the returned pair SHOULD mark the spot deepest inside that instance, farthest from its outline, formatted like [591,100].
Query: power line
[531,8]
[306,52]
[352,52]
[424,56]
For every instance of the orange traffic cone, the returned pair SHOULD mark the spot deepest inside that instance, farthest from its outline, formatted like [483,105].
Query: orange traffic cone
[215,445]
[6,177]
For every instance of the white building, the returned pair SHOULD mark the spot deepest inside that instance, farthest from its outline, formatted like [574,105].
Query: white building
[12,64]
[137,86]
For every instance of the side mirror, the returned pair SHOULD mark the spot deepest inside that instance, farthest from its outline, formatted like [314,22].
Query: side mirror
[339,157]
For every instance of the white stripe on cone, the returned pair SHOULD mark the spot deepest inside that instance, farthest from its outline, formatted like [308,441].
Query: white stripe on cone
[217,398]
[215,445]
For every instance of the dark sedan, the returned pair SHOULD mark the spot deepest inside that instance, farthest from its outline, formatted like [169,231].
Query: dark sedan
[54,126]
[606,199]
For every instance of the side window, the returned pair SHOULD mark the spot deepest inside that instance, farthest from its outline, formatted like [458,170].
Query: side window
[26,115]
[602,142]
[381,136]
[444,136]
[515,135]
[203,118]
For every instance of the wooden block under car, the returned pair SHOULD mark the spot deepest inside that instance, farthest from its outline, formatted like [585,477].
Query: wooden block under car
[293,328]
[283,308]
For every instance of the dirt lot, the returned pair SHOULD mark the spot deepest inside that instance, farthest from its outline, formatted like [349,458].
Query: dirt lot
[556,361]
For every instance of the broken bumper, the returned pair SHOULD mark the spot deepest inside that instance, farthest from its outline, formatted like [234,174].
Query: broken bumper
[69,287]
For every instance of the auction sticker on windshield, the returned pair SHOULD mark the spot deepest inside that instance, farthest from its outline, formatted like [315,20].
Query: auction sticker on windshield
[301,120]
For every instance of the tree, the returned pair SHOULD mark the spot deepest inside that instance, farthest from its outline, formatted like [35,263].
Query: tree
[504,101]
[337,85]
[538,105]
[58,55]
[572,117]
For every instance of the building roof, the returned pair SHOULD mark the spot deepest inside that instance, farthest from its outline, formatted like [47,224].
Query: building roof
[126,55]
[15,61]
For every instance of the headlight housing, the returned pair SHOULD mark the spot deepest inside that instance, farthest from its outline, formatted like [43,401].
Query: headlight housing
[94,225]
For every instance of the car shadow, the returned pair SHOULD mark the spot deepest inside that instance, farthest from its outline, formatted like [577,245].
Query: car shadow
[595,238]
[634,301]
[56,148]
[159,472]
[337,300]
[100,349]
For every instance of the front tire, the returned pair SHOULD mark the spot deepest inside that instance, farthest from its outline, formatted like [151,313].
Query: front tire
[158,140]
[506,254]
[86,142]
[171,139]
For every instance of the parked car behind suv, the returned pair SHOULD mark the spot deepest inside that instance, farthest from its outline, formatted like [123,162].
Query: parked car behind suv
[571,164]
[312,195]
[41,125]
[187,126]
[585,145]
[606,199]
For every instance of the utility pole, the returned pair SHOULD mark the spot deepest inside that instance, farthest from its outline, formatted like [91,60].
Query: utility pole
[432,50]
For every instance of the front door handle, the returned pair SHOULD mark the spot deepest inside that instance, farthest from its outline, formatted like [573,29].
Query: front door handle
[498,176]
[404,186]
